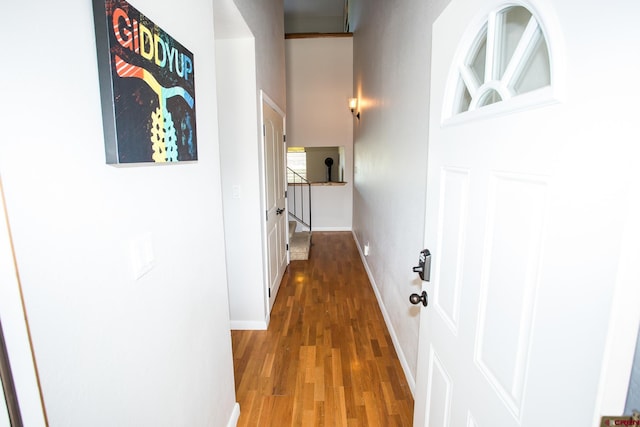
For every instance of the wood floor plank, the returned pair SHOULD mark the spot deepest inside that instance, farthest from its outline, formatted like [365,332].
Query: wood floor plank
[327,358]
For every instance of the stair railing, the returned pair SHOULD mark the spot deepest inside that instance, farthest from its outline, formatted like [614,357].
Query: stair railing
[299,195]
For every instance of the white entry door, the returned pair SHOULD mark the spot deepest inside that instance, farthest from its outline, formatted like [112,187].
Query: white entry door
[530,209]
[275,185]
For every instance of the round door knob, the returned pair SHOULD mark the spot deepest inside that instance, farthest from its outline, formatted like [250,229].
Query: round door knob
[417,299]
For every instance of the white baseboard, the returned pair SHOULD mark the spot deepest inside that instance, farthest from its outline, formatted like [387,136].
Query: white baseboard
[235,416]
[394,337]
[249,325]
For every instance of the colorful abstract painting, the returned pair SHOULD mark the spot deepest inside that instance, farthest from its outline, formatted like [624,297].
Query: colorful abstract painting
[147,88]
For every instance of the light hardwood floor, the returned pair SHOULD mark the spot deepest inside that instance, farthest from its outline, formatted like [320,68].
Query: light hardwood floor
[327,358]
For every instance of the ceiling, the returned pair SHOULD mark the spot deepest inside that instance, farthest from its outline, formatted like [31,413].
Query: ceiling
[313,13]
[314,7]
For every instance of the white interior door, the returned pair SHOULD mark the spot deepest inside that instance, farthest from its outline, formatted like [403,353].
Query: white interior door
[527,217]
[276,213]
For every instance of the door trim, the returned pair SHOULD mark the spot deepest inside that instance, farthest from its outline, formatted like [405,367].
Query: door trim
[17,334]
[266,99]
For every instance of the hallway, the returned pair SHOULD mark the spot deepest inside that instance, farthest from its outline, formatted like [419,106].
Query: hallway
[327,358]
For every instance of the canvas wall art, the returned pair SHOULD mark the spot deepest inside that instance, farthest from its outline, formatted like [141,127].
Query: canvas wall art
[147,88]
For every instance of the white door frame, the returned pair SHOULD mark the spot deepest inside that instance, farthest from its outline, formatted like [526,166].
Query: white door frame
[264,98]
[16,330]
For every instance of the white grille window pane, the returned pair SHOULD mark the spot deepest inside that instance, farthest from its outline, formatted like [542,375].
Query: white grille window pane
[463,98]
[478,62]
[508,56]
[537,72]
[489,97]
[514,21]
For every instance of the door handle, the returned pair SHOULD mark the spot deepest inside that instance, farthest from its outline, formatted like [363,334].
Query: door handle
[279,211]
[417,299]
[424,265]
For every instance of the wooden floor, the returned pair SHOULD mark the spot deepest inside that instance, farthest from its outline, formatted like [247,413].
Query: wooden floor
[327,358]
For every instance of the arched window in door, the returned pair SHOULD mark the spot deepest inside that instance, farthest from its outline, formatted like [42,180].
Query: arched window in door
[508,57]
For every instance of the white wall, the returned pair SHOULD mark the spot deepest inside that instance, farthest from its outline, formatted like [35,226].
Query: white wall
[112,350]
[319,83]
[250,58]
[391,77]
[266,21]
[240,168]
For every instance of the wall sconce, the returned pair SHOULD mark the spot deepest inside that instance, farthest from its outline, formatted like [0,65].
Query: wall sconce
[353,105]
